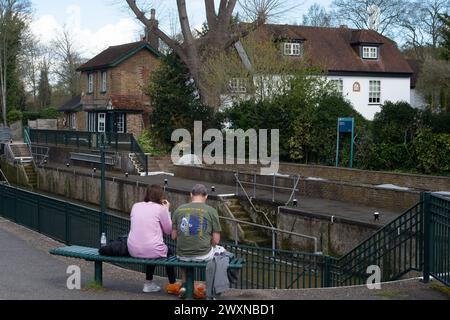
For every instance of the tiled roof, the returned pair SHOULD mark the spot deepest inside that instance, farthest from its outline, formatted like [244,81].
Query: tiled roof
[337,49]
[116,54]
[71,105]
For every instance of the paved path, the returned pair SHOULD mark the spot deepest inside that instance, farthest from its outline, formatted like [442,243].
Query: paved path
[28,272]
[310,205]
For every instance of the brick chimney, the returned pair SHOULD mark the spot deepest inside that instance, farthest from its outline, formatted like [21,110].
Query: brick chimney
[151,37]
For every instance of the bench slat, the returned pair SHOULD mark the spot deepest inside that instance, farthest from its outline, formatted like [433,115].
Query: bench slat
[91,254]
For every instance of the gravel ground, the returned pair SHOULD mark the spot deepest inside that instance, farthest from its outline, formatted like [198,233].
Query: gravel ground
[30,273]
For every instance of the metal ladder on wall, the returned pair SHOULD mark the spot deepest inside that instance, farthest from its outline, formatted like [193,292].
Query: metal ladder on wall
[3,179]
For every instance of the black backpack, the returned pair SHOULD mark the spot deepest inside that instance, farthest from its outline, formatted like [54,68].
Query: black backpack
[116,248]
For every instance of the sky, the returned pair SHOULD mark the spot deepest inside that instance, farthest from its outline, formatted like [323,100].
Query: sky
[98,24]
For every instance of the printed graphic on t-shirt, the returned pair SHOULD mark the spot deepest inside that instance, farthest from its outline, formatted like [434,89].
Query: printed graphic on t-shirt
[194,224]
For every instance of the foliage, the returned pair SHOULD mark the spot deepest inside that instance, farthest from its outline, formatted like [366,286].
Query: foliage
[445,18]
[432,152]
[435,84]
[175,100]
[49,113]
[149,145]
[306,115]
[44,88]
[14,115]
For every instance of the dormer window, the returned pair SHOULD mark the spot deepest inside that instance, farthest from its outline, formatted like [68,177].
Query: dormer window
[370,52]
[293,49]
[238,85]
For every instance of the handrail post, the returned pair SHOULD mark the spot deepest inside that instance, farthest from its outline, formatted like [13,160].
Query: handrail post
[273,189]
[236,233]
[146,165]
[427,237]
[254,186]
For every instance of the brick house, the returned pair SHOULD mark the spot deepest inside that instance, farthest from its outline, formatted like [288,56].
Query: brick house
[112,96]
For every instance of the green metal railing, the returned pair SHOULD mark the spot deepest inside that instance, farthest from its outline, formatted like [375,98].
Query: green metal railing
[397,249]
[124,142]
[77,225]
[437,238]
[140,154]
[416,241]
[80,139]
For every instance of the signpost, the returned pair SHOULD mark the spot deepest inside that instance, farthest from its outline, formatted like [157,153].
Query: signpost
[345,126]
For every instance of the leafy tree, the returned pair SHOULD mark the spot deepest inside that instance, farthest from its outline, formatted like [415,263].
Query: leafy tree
[175,100]
[14,115]
[13,21]
[49,113]
[44,88]
[432,152]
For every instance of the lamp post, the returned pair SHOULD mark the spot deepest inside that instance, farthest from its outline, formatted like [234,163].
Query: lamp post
[102,186]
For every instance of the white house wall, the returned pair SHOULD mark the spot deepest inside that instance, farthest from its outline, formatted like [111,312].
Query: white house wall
[392,89]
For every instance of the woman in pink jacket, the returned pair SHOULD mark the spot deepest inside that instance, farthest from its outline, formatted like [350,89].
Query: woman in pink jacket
[150,221]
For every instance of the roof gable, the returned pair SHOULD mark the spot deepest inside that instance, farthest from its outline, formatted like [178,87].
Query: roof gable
[115,55]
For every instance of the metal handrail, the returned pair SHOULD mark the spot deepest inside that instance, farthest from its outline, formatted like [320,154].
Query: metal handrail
[251,202]
[5,180]
[316,245]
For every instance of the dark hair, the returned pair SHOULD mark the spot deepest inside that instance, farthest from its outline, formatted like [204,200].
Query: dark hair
[199,190]
[155,194]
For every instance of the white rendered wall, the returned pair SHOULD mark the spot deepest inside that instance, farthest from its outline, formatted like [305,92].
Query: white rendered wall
[392,89]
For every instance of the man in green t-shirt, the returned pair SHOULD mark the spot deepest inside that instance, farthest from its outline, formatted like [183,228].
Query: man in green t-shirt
[196,227]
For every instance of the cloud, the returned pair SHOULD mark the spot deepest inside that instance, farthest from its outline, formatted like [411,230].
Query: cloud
[90,42]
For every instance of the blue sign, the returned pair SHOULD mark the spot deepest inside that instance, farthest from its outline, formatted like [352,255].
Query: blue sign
[346,125]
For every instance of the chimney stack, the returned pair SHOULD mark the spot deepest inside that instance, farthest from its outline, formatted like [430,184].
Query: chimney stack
[150,36]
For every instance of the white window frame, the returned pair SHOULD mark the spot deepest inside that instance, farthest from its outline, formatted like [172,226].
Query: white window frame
[375,92]
[92,121]
[339,85]
[370,52]
[292,49]
[238,85]
[104,81]
[101,122]
[121,123]
[90,83]
[73,121]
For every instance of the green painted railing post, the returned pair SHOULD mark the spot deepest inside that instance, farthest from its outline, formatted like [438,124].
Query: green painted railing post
[326,272]
[427,237]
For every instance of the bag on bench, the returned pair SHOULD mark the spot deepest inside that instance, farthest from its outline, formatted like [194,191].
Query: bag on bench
[116,248]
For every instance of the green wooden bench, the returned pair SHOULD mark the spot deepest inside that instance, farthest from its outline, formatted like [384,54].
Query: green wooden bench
[92,255]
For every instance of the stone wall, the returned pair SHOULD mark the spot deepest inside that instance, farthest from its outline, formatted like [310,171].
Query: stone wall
[336,239]
[368,195]
[413,181]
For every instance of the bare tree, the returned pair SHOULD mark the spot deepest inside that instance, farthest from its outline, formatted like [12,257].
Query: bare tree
[383,16]
[317,16]
[68,59]
[422,27]
[29,64]
[220,34]
[266,10]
